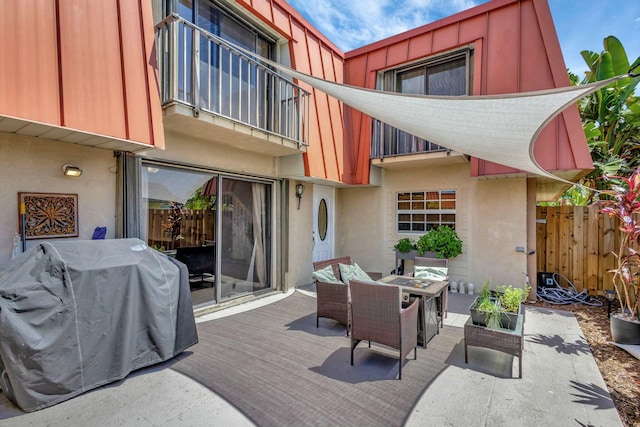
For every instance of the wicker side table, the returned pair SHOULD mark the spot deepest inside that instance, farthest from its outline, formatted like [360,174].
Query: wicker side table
[504,340]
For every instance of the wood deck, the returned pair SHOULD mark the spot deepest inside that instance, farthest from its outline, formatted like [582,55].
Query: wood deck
[278,369]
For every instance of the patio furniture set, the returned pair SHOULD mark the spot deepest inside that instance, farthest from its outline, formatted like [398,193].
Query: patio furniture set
[399,311]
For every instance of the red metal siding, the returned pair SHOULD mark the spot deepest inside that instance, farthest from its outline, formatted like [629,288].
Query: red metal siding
[82,65]
[312,53]
[91,68]
[29,68]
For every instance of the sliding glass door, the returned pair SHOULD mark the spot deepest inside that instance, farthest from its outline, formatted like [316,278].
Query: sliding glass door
[226,241]
[246,238]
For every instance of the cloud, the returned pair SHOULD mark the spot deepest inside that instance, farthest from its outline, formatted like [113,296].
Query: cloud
[354,23]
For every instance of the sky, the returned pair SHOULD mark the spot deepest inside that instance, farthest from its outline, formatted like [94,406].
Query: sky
[580,24]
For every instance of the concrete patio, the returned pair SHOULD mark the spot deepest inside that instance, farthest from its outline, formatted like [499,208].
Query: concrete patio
[561,384]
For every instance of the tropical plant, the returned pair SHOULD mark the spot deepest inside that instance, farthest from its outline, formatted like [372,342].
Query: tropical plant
[625,205]
[199,201]
[611,115]
[443,240]
[610,119]
[405,245]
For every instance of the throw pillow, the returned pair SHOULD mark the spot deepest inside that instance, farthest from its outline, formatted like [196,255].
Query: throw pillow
[430,273]
[349,272]
[326,275]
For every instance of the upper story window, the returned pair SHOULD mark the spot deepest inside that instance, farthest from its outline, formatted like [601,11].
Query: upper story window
[213,18]
[444,75]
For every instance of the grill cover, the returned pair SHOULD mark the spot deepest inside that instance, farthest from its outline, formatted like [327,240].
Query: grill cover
[75,315]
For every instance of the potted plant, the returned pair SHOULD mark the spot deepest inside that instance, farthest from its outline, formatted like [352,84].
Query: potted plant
[443,241]
[499,308]
[405,245]
[484,306]
[625,205]
[511,299]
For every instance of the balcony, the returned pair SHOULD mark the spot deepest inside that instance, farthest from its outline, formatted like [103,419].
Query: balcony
[211,90]
[392,148]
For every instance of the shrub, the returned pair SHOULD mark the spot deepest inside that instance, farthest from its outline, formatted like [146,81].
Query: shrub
[443,240]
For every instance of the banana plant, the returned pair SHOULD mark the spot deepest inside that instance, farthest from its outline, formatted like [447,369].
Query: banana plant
[610,116]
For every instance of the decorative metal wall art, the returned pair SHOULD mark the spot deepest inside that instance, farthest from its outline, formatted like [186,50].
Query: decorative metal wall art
[48,215]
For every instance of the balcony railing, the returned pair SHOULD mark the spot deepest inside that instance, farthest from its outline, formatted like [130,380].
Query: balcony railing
[388,141]
[203,71]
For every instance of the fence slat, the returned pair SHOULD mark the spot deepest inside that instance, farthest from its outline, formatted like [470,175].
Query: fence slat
[578,242]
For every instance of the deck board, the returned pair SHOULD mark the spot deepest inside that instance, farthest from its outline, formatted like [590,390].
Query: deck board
[275,366]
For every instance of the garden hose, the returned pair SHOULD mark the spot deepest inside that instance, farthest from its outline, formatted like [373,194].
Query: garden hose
[560,295]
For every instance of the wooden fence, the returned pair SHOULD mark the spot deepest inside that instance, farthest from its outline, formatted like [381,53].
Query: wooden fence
[578,242]
[194,227]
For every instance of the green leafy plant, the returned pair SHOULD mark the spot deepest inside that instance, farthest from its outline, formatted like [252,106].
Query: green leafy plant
[510,298]
[484,294]
[493,314]
[405,245]
[443,240]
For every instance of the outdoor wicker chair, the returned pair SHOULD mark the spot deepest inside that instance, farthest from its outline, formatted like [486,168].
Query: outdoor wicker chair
[332,298]
[377,315]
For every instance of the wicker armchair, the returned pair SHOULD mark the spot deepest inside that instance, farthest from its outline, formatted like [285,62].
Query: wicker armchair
[376,315]
[333,299]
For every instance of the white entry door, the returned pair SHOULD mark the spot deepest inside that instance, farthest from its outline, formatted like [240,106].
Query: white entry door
[323,222]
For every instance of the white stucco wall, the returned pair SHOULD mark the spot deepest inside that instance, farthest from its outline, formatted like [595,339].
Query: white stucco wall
[360,228]
[35,165]
[208,154]
[300,224]
[490,220]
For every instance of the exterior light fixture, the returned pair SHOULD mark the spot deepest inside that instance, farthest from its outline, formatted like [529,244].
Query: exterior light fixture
[299,192]
[70,170]
[610,294]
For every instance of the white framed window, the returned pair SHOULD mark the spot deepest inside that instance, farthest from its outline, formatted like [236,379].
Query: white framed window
[420,211]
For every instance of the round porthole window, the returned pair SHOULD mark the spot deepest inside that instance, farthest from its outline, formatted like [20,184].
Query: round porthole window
[322,219]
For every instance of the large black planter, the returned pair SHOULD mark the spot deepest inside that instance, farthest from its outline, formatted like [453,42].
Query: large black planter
[479,317]
[625,331]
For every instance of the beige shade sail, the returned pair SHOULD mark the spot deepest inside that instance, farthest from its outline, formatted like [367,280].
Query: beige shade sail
[498,128]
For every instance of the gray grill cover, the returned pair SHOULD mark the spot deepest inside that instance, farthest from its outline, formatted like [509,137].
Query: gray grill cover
[75,315]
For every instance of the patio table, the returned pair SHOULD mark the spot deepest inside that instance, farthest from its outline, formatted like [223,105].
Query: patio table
[430,292]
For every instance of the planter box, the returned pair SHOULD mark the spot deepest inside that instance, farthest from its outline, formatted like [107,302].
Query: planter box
[507,320]
[411,255]
[479,317]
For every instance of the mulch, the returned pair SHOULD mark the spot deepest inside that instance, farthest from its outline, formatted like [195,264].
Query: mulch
[620,370]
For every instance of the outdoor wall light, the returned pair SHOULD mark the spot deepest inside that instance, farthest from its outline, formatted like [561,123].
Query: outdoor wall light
[299,192]
[610,294]
[70,170]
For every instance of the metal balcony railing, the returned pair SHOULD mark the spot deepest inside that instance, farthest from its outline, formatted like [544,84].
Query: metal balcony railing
[203,71]
[388,141]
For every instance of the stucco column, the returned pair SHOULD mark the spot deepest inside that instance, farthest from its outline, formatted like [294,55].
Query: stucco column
[531,235]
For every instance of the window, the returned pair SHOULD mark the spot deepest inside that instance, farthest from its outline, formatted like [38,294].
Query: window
[229,83]
[448,75]
[420,211]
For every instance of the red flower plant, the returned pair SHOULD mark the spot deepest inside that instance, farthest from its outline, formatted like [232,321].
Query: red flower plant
[625,205]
